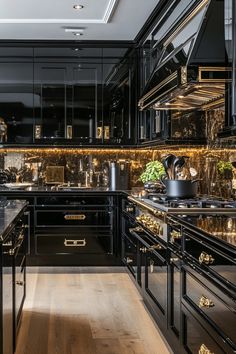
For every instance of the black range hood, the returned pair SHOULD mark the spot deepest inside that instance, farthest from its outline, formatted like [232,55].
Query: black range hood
[191,72]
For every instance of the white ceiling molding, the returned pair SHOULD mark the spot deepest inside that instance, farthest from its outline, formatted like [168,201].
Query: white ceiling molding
[109,11]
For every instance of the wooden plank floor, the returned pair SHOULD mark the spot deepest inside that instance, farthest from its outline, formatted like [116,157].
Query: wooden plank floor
[85,313]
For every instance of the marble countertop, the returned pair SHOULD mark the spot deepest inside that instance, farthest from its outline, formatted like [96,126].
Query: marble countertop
[8,214]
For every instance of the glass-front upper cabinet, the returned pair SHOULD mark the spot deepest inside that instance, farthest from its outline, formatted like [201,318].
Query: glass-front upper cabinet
[68,86]
[118,96]
[16,95]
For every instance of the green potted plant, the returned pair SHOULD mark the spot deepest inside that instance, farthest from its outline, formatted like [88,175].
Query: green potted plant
[151,176]
[224,169]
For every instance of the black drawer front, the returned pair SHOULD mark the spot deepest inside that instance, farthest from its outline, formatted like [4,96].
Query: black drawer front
[73,244]
[221,314]
[197,340]
[74,200]
[73,217]
[207,256]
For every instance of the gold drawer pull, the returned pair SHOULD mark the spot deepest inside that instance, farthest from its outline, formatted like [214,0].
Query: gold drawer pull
[204,350]
[155,247]
[19,282]
[75,243]
[136,229]
[75,217]
[205,258]
[205,302]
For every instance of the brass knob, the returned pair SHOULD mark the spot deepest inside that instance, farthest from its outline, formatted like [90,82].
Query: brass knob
[205,258]
[205,302]
[175,235]
[204,350]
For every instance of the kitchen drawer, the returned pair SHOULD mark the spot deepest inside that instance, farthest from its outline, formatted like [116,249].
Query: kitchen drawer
[74,200]
[215,307]
[221,264]
[199,340]
[73,244]
[73,217]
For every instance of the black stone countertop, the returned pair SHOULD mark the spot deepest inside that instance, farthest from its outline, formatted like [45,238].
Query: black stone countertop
[8,215]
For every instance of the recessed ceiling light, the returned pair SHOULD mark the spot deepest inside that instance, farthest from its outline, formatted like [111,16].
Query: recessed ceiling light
[78,7]
[78,34]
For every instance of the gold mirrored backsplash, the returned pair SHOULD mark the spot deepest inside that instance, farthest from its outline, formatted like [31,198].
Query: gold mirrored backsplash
[33,165]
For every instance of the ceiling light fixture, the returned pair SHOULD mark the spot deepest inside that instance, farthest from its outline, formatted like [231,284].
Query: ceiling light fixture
[78,7]
[78,34]
[74,29]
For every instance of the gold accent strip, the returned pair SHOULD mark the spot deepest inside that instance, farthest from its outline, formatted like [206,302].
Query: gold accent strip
[147,207]
[156,88]
[75,217]
[203,69]
[184,23]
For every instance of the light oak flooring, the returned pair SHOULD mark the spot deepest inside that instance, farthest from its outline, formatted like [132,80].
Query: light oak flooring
[84,311]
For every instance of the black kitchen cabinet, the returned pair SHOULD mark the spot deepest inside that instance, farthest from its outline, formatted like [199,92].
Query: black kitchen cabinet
[69,105]
[16,94]
[13,278]
[75,230]
[78,96]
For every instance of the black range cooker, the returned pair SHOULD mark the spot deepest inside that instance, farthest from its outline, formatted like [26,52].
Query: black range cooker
[182,255]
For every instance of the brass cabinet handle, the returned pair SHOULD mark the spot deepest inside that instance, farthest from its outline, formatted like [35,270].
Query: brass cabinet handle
[19,282]
[75,217]
[75,243]
[204,350]
[155,247]
[205,302]
[205,258]
[135,229]
[130,209]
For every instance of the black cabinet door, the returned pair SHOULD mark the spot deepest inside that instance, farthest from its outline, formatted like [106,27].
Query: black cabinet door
[16,101]
[50,89]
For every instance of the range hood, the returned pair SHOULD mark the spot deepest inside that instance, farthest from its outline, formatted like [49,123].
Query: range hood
[191,72]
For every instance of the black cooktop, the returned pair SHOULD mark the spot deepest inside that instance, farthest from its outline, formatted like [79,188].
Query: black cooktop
[200,201]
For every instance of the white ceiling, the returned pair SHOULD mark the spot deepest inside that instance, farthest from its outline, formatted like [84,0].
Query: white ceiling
[99,19]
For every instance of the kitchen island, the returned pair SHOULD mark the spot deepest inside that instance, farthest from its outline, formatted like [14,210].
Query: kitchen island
[13,243]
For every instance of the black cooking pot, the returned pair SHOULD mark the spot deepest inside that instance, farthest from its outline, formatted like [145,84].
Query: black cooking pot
[180,188]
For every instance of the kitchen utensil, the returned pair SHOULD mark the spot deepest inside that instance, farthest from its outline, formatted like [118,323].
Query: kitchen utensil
[177,164]
[167,163]
[192,172]
[180,188]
